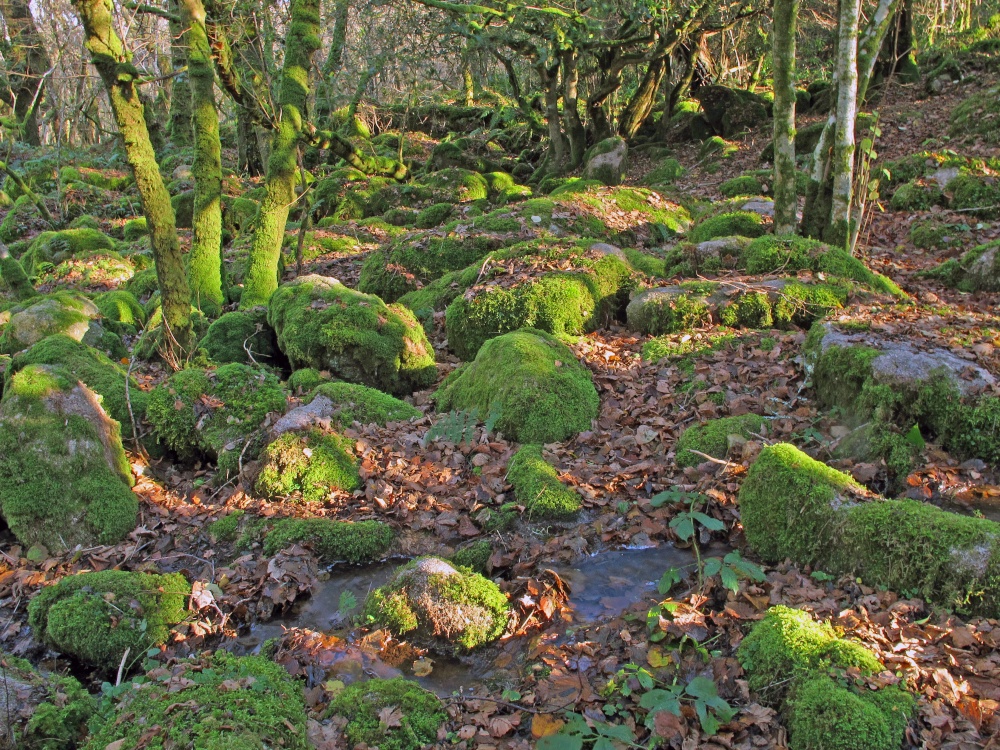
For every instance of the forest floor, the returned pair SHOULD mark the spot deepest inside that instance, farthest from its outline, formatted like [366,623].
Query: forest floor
[579,627]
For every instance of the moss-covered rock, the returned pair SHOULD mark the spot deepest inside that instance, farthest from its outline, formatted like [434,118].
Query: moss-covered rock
[975,194]
[666,173]
[19,219]
[978,116]
[89,273]
[431,602]
[135,229]
[977,270]
[531,382]
[742,185]
[201,413]
[669,309]
[455,185]
[475,556]
[308,464]
[537,486]
[121,311]
[143,285]
[220,702]
[739,223]
[62,312]
[795,507]
[916,196]
[334,541]
[606,161]
[434,215]
[92,367]
[712,437]
[96,617]
[321,323]
[796,663]
[363,703]
[305,381]
[64,477]
[730,111]
[55,247]
[242,336]
[352,403]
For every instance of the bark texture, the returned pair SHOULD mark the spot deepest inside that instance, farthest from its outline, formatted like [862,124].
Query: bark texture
[783,32]
[27,62]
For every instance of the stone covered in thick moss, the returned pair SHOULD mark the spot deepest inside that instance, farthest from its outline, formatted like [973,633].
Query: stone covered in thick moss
[39,317]
[220,702]
[456,185]
[977,270]
[96,617]
[434,215]
[531,382]
[666,173]
[55,247]
[99,373]
[916,196]
[198,412]
[64,477]
[793,661]
[240,335]
[746,184]
[537,486]
[731,223]
[564,302]
[978,116]
[606,161]
[431,602]
[357,403]
[795,507]
[334,541]
[712,437]
[121,311]
[321,323]
[309,464]
[135,229]
[306,380]
[363,703]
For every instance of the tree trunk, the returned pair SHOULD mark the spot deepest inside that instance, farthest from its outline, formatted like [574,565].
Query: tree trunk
[303,40]
[27,61]
[248,152]
[783,37]
[334,59]
[641,104]
[576,134]
[14,276]
[842,172]
[114,64]
[179,127]
[205,258]
[557,142]
[468,82]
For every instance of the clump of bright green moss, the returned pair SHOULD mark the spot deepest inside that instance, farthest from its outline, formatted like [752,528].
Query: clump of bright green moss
[537,486]
[534,385]
[198,412]
[916,196]
[742,185]
[732,223]
[219,702]
[323,324]
[433,215]
[362,705]
[795,662]
[430,601]
[333,541]
[239,335]
[121,311]
[475,556]
[712,437]
[358,403]
[64,477]
[226,529]
[310,464]
[96,617]
[793,506]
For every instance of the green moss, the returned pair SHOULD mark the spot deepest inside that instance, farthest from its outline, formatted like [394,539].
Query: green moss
[199,412]
[358,403]
[135,229]
[55,247]
[537,486]
[712,437]
[143,284]
[668,172]
[121,311]
[978,195]
[96,617]
[400,216]
[795,507]
[535,384]
[717,147]
[558,302]
[309,464]
[305,381]
[63,480]
[732,223]
[458,185]
[84,222]
[221,702]
[226,529]
[230,337]
[434,215]
[934,234]
[363,704]
[673,346]
[978,116]
[742,185]
[475,556]
[668,312]
[333,541]
[18,219]
[429,600]
[321,323]
[97,371]
[916,196]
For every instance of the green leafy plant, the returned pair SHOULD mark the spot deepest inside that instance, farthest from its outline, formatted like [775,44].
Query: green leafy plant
[578,731]
[459,426]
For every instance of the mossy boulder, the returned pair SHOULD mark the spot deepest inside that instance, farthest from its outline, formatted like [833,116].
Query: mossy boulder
[219,702]
[666,173]
[742,185]
[434,215]
[738,223]
[533,384]
[456,185]
[56,247]
[308,464]
[668,310]
[97,617]
[714,437]
[90,273]
[135,229]
[892,382]
[537,486]
[305,381]
[19,219]
[976,270]
[44,712]
[431,602]
[916,196]
[321,323]
[61,312]
[363,705]
[978,116]
[200,413]
[606,161]
[795,507]
[104,376]
[333,541]
[242,336]
[350,403]
[975,194]
[729,112]
[120,311]
[798,664]
[64,477]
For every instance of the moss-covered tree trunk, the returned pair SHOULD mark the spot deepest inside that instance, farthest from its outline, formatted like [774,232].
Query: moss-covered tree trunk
[842,160]
[205,258]
[783,42]
[114,64]
[555,159]
[576,133]
[279,186]
[640,105]
[247,148]
[26,62]
[13,275]
[179,123]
